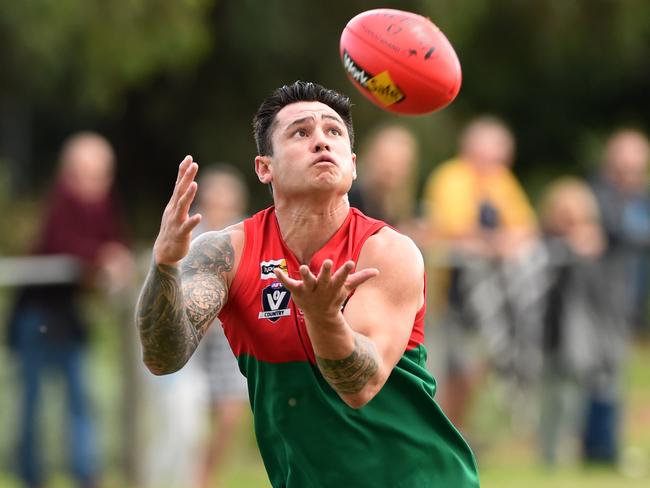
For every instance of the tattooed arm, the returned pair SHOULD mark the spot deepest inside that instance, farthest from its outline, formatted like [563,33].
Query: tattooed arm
[349,375]
[177,306]
[357,349]
[186,286]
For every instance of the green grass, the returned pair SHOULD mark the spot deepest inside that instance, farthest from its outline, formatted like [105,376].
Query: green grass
[532,477]
[511,461]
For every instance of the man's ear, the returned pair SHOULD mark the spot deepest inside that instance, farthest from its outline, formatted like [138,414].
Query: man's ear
[263,169]
[354,166]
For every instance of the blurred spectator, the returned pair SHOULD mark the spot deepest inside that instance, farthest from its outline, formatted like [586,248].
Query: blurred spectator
[222,201]
[179,454]
[388,162]
[624,203]
[47,330]
[479,212]
[578,314]
[474,200]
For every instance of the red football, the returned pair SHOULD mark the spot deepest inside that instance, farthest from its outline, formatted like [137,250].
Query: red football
[400,61]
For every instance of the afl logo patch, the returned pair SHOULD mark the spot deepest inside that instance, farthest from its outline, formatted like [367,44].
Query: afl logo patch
[267,267]
[275,302]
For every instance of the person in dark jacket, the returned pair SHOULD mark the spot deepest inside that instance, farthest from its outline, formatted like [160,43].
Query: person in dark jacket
[47,330]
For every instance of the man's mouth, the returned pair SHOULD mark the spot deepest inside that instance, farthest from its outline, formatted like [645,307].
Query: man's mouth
[324,159]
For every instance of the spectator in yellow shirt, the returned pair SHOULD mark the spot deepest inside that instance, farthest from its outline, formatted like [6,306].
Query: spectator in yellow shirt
[474,200]
[478,212]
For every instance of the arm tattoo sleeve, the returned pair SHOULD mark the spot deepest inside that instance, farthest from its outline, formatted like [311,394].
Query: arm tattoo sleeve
[350,375]
[176,307]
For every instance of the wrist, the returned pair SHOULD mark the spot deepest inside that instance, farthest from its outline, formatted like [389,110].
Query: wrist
[331,321]
[331,337]
[162,258]
[157,261]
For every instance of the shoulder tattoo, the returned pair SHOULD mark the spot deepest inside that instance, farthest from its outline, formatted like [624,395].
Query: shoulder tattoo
[175,307]
[203,273]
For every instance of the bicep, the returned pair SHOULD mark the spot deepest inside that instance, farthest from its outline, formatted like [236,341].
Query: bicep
[205,276]
[384,308]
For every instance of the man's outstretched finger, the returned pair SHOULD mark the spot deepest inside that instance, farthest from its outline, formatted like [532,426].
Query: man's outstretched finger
[186,199]
[181,168]
[307,277]
[188,226]
[186,180]
[342,273]
[360,277]
[325,273]
[291,284]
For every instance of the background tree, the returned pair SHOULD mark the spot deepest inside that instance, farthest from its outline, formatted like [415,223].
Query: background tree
[67,61]
[164,78]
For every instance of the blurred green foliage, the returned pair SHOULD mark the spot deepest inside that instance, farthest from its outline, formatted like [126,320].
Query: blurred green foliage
[164,78]
[90,52]
[19,218]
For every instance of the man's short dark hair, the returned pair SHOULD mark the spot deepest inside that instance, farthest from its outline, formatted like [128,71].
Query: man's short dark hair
[299,91]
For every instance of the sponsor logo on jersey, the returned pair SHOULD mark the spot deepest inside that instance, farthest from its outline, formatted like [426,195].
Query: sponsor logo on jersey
[267,267]
[275,302]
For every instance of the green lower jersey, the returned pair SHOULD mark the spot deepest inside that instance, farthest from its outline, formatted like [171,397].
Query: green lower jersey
[309,437]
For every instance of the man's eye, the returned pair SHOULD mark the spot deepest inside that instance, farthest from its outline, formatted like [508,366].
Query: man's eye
[301,133]
[335,131]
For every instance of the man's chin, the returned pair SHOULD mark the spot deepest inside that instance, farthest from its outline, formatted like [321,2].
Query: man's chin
[334,185]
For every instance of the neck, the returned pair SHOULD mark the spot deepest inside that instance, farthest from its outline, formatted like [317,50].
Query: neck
[306,227]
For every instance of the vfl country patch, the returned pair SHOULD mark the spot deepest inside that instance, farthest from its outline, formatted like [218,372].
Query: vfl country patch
[275,302]
[267,267]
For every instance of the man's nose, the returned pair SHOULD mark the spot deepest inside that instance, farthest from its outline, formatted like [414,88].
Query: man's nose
[320,143]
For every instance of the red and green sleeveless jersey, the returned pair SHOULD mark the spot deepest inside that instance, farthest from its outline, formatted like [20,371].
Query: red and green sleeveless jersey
[308,437]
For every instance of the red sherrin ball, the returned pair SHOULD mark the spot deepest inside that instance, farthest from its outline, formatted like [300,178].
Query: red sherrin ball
[400,61]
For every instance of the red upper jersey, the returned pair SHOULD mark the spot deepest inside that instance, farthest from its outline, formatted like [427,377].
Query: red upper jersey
[307,435]
[259,318]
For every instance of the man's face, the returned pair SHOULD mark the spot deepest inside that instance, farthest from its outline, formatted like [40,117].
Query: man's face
[311,152]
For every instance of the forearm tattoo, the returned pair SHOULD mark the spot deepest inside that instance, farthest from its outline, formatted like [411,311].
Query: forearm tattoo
[350,375]
[176,307]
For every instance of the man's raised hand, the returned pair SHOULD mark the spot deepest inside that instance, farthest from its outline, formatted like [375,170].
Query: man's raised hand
[327,292]
[173,241]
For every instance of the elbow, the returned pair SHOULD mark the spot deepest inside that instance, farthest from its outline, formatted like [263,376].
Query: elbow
[359,400]
[159,368]
[356,403]
[158,371]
